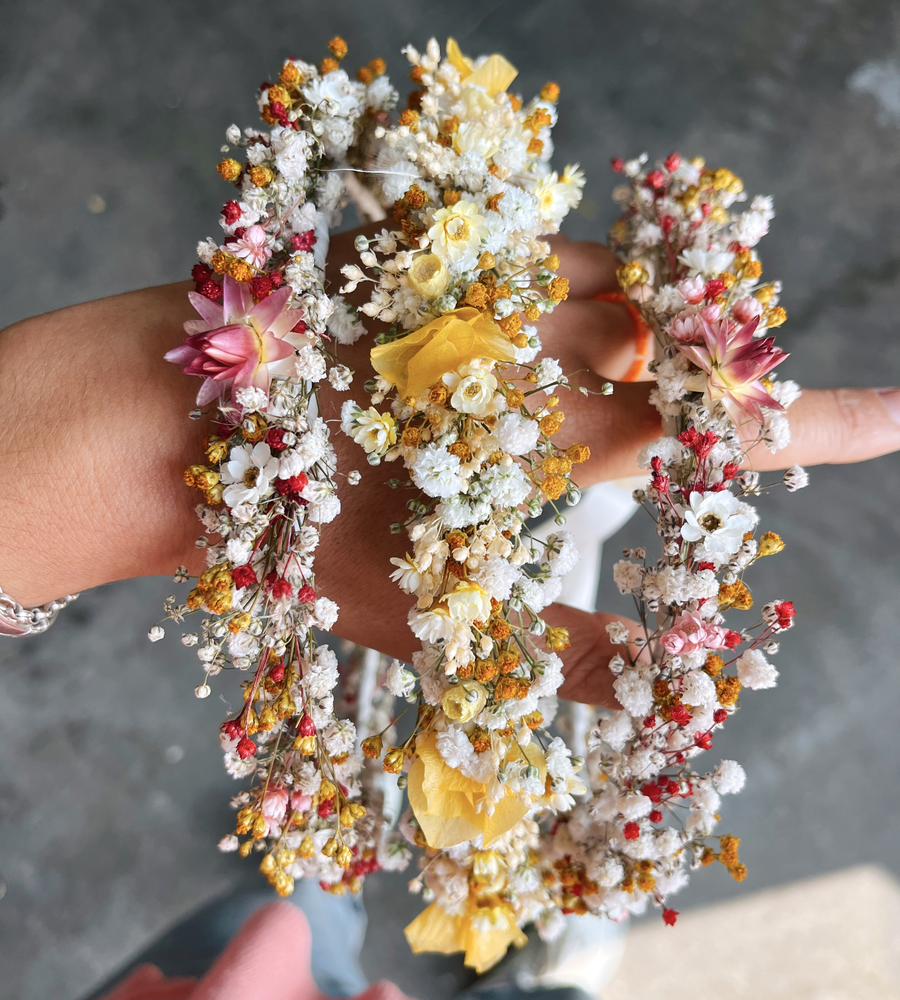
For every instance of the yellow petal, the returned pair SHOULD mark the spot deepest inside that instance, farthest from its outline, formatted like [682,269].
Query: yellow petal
[444,800]
[484,949]
[495,74]
[434,929]
[457,59]
[422,357]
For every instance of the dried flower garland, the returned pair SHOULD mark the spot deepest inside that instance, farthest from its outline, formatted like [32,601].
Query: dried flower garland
[472,410]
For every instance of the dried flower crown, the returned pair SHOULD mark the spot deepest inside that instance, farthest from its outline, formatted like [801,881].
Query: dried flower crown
[470,408]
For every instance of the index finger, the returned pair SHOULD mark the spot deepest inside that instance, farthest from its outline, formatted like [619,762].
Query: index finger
[589,267]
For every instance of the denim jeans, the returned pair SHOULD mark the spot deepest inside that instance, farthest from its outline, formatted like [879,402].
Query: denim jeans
[338,925]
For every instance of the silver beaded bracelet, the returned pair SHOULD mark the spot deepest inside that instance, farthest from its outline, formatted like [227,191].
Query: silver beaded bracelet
[18,621]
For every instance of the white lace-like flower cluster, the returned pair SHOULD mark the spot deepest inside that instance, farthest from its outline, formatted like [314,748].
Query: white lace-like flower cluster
[473,412]
[690,266]
[269,481]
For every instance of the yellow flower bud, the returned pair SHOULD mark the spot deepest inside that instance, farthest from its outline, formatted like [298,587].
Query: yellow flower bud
[344,857]
[556,638]
[372,746]
[464,701]
[551,262]
[770,544]
[486,261]
[330,848]
[307,847]
[245,848]
[268,865]
[428,276]
[229,169]
[393,760]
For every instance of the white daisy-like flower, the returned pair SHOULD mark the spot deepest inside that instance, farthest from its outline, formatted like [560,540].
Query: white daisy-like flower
[717,520]
[457,231]
[248,474]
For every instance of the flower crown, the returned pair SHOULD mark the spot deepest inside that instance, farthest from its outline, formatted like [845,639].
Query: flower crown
[512,827]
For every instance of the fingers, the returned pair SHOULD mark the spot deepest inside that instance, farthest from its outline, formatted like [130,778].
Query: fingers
[148,983]
[269,959]
[835,426]
[602,335]
[586,663]
[589,267]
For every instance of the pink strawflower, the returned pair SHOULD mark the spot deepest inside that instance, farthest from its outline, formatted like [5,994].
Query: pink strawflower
[238,344]
[733,367]
[275,803]
[746,309]
[252,246]
[691,634]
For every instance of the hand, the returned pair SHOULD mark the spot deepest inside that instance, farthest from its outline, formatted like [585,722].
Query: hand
[95,437]
[268,959]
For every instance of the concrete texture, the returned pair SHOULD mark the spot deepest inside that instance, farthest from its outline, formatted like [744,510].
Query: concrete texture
[111,116]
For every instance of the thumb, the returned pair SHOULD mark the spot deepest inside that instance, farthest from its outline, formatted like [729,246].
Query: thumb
[586,662]
[268,959]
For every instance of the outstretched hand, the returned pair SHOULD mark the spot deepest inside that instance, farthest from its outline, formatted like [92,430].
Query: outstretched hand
[268,959]
[95,437]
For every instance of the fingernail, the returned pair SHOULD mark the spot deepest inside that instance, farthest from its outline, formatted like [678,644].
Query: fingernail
[891,400]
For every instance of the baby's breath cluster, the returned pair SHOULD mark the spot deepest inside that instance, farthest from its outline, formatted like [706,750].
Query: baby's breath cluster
[268,480]
[466,406]
[689,263]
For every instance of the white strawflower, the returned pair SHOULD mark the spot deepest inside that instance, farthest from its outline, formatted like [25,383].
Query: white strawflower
[400,681]
[562,555]
[754,671]
[326,613]
[698,688]
[436,472]
[633,693]
[251,399]
[496,575]
[473,388]
[515,434]
[550,375]
[617,632]
[615,730]
[228,844]
[507,484]
[729,777]
[796,478]
[627,576]
[340,377]
[309,364]
[454,746]
[344,323]
[156,633]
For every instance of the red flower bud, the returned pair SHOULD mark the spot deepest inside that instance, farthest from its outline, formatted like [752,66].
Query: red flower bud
[246,748]
[720,715]
[211,290]
[673,162]
[200,273]
[303,241]
[231,212]
[617,164]
[306,595]
[243,576]
[326,808]
[669,917]
[656,816]
[703,740]
[631,830]
[275,439]
[307,727]
[277,673]
[290,488]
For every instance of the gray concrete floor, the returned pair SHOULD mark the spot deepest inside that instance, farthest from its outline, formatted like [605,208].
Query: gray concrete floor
[111,791]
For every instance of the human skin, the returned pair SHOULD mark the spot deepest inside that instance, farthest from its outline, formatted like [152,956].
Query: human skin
[94,436]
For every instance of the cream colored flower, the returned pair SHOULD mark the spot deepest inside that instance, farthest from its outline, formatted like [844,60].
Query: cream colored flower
[457,230]
[407,575]
[428,276]
[473,389]
[375,432]
[468,603]
[464,701]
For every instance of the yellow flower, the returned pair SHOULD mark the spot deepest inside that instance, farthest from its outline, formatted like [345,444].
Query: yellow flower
[456,230]
[428,276]
[423,357]
[375,432]
[464,701]
[484,933]
[445,802]
[495,74]
[468,603]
